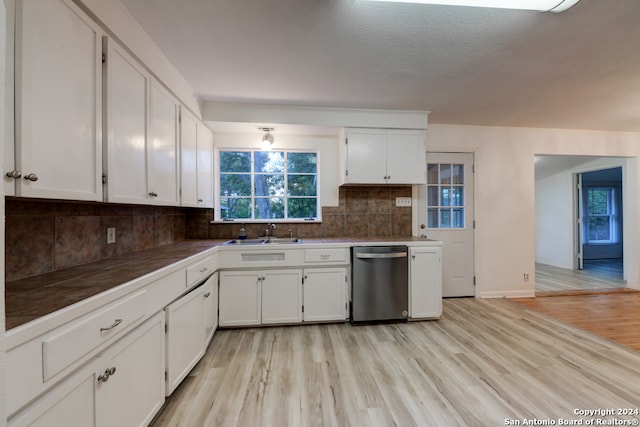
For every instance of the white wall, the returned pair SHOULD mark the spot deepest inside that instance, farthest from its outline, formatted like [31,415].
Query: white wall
[505,195]
[554,220]
[327,147]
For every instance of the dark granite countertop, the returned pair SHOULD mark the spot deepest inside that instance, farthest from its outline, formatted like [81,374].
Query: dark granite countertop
[33,297]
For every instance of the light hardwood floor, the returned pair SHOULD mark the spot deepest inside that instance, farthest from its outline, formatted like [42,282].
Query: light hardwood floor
[555,279]
[485,361]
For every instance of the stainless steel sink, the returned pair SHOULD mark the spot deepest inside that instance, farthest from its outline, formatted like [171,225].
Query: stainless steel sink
[245,242]
[283,240]
[263,241]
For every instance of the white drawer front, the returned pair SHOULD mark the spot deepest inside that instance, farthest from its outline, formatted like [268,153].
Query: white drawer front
[88,332]
[200,270]
[326,255]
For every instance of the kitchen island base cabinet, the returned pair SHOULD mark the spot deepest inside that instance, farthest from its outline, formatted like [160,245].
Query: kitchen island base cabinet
[123,386]
[256,297]
[425,277]
[325,293]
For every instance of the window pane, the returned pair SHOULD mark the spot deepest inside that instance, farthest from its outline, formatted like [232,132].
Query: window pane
[445,197]
[301,185]
[231,207]
[457,196]
[599,228]
[235,185]
[302,208]
[302,162]
[268,161]
[235,161]
[432,196]
[458,174]
[269,208]
[445,174]
[458,218]
[432,218]
[269,185]
[445,218]
[598,201]
[432,173]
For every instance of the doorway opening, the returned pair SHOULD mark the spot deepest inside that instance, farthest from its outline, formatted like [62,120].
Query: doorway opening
[579,224]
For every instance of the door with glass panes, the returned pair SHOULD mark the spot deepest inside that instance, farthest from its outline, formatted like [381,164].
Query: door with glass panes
[446,214]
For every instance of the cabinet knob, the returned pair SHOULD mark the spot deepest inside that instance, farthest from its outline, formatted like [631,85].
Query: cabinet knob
[207,295]
[14,174]
[200,200]
[31,177]
[107,373]
[153,194]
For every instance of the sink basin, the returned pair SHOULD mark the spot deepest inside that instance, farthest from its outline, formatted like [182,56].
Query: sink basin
[245,242]
[263,241]
[283,240]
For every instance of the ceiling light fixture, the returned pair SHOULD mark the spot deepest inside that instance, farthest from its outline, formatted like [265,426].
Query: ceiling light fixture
[539,5]
[267,138]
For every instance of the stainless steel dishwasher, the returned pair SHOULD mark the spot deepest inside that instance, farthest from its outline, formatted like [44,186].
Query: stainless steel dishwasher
[379,283]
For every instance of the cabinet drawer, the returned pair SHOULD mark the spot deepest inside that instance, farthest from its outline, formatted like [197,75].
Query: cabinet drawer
[326,255]
[88,332]
[198,271]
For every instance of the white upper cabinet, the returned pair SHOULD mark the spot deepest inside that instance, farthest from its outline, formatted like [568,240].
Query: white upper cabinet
[196,153]
[58,79]
[141,143]
[381,156]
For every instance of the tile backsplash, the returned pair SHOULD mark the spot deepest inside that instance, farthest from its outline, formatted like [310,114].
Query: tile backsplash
[47,235]
[362,212]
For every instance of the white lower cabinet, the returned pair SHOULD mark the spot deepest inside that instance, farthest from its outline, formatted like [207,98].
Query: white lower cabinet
[123,386]
[425,278]
[210,296]
[185,336]
[325,293]
[256,297]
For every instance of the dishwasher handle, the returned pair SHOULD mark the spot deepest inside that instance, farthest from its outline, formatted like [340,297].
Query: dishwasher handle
[386,255]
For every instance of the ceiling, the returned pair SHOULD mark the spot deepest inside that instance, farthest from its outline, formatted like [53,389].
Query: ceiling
[579,69]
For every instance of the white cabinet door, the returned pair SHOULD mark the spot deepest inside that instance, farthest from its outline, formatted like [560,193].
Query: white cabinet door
[134,392]
[210,289]
[188,159]
[185,336]
[127,97]
[281,296]
[425,289]
[58,84]
[196,152]
[162,147]
[406,157]
[205,166]
[240,300]
[325,294]
[366,156]
[71,404]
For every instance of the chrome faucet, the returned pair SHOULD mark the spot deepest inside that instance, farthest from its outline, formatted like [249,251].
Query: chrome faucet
[268,230]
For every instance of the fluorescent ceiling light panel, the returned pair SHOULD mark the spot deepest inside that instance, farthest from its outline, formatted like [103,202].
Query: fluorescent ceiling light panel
[539,5]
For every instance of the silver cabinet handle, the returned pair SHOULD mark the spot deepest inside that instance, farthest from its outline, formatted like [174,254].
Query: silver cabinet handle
[200,200]
[116,323]
[107,373]
[153,194]
[325,256]
[207,295]
[31,177]
[14,174]
[383,255]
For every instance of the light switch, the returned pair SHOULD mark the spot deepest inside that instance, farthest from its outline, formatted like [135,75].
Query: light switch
[111,235]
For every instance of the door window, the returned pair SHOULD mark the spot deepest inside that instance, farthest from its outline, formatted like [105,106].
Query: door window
[445,195]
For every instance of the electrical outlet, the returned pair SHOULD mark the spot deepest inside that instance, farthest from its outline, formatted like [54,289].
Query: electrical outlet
[526,277]
[111,235]
[403,201]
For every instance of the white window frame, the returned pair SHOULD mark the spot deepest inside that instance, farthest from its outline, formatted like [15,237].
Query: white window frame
[611,208]
[217,204]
